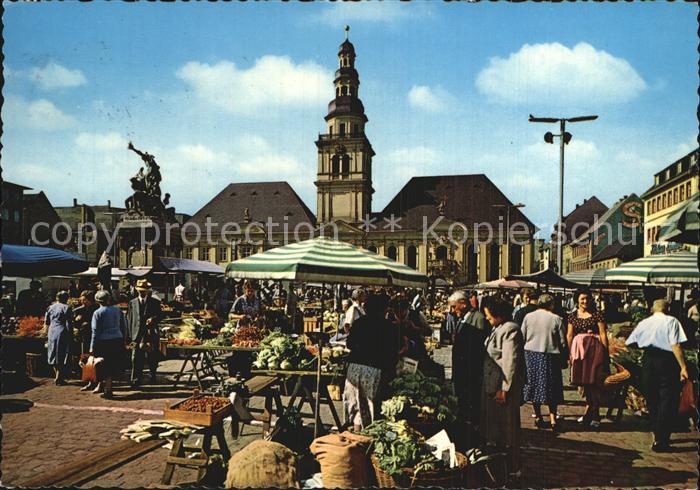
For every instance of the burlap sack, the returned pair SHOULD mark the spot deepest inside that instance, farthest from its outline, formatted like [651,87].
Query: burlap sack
[343,458]
[262,464]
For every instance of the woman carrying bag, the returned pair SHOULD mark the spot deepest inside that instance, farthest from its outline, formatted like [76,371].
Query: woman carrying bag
[108,339]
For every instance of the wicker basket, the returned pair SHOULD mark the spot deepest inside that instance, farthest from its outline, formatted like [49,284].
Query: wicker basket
[446,478]
[620,377]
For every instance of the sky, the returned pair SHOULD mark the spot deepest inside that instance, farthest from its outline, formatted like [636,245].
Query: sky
[237,92]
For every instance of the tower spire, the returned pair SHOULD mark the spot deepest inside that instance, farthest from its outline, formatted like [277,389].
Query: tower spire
[347,32]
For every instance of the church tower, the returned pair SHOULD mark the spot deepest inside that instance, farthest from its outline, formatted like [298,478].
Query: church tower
[344,177]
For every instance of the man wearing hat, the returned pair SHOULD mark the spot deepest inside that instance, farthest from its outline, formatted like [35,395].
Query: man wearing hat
[143,316]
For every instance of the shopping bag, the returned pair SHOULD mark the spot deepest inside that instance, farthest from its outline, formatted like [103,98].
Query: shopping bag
[687,405]
[91,368]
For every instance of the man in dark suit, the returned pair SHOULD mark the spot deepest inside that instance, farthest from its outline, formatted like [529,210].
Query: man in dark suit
[143,316]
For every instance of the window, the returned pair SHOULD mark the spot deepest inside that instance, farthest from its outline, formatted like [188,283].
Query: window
[412,257]
[494,261]
[245,251]
[330,130]
[355,129]
[663,201]
[223,254]
[515,259]
[675,195]
[682,196]
[687,190]
[204,253]
[391,252]
[441,253]
[472,263]
[346,165]
[335,167]
[342,129]
[189,253]
[649,207]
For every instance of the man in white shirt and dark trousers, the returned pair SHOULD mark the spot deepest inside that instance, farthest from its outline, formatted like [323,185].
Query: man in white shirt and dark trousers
[356,310]
[663,368]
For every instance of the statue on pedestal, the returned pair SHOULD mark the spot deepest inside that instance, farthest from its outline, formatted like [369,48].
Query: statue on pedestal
[146,200]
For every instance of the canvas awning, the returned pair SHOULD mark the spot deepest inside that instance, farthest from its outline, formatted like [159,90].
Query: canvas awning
[682,226]
[325,260]
[32,261]
[504,283]
[589,277]
[674,268]
[547,277]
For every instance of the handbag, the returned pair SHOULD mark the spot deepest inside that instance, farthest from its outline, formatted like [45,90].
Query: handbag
[687,404]
[91,369]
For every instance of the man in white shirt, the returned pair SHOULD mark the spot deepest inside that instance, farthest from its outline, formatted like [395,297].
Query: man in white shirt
[663,367]
[356,310]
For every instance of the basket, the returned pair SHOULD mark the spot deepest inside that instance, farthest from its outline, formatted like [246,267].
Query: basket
[446,478]
[620,377]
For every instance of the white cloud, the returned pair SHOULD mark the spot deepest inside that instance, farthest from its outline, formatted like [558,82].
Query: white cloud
[54,76]
[37,114]
[418,155]
[101,141]
[196,153]
[340,13]
[430,99]
[272,82]
[556,73]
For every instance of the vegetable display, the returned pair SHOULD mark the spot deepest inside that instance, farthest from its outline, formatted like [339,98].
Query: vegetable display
[201,404]
[397,446]
[30,326]
[247,337]
[185,342]
[280,351]
[416,397]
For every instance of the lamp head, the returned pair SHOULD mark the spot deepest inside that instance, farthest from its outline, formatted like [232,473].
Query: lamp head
[549,137]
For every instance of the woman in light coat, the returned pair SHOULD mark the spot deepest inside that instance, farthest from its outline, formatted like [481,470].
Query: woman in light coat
[504,376]
[59,320]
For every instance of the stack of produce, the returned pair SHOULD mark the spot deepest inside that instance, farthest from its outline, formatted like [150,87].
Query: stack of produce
[397,446]
[334,359]
[247,337]
[419,398]
[201,404]
[10,325]
[179,341]
[31,326]
[331,318]
[143,430]
[280,351]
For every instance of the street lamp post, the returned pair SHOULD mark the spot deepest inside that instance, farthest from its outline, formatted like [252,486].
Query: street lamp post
[508,208]
[564,139]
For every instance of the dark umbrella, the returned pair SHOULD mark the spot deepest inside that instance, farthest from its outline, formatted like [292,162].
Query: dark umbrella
[30,261]
[547,277]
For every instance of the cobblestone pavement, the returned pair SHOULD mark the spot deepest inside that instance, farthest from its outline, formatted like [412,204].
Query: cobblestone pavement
[65,424]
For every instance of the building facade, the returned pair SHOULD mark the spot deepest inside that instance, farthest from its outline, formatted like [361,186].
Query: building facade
[575,225]
[13,213]
[672,187]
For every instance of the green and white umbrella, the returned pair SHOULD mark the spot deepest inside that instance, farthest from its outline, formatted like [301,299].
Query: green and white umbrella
[674,268]
[682,226]
[324,260]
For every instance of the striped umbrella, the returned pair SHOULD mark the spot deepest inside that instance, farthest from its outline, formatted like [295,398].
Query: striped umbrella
[588,277]
[673,268]
[326,261]
[683,225]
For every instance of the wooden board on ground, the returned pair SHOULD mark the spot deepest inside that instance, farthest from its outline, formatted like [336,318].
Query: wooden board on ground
[98,463]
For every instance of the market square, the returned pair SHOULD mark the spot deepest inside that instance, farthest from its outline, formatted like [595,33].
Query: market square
[349,246]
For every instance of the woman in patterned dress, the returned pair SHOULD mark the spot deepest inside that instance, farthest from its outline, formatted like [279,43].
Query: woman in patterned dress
[587,321]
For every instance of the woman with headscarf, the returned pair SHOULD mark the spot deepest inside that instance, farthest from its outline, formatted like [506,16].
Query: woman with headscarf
[504,376]
[588,347]
[109,331]
[59,320]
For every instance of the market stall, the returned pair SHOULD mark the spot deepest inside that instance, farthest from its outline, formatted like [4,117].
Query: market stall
[674,268]
[503,283]
[547,278]
[32,261]
[326,261]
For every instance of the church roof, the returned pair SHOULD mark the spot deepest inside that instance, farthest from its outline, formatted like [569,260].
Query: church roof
[346,47]
[263,200]
[468,199]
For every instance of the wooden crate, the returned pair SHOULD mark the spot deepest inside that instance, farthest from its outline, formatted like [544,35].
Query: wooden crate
[205,419]
[310,324]
[37,365]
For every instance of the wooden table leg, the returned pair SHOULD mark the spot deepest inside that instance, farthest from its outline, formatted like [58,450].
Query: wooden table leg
[223,446]
[331,406]
[188,358]
[206,450]
[170,467]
